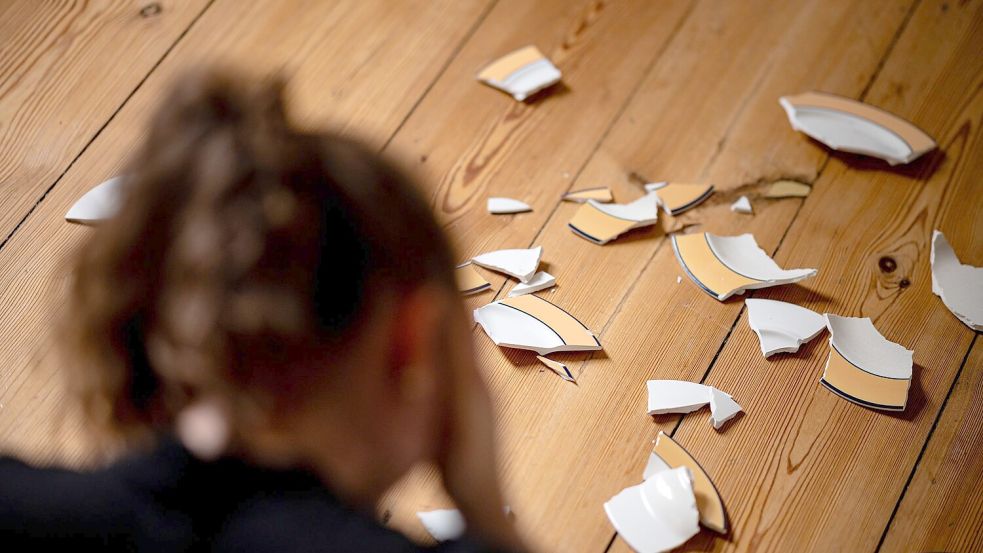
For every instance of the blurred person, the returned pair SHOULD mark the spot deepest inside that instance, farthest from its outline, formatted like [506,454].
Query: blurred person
[271,324]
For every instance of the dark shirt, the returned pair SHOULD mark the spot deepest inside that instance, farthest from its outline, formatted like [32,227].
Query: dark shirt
[170,501]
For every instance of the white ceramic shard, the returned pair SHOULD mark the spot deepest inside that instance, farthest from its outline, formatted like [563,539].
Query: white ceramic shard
[676,197]
[521,73]
[443,524]
[782,327]
[865,367]
[468,280]
[657,515]
[960,286]
[539,281]
[742,205]
[722,408]
[848,125]
[98,204]
[530,322]
[559,368]
[503,206]
[601,223]
[676,396]
[655,464]
[726,265]
[600,194]
[521,264]
[708,501]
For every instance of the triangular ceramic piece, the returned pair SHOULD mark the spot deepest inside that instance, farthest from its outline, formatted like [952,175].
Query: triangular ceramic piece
[504,206]
[539,281]
[521,264]
[850,126]
[657,515]
[722,408]
[98,204]
[960,286]
[711,507]
[742,205]
[601,223]
[443,524]
[782,327]
[788,189]
[676,396]
[726,265]
[530,322]
[864,366]
[468,280]
[521,73]
[677,197]
[559,368]
[601,195]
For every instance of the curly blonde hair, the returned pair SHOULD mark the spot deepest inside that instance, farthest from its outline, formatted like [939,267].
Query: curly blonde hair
[237,232]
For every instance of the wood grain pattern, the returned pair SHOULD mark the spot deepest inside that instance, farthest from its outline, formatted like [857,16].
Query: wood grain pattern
[804,469]
[392,54]
[594,431]
[65,67]
[942,508]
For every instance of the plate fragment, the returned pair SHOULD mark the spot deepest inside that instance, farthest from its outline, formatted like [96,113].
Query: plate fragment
[726,265]
[742,205]
[539,281]
[521,73]
[98,204]
[681,396]
[601,195]
[601,223]
[504,206]
[782,327]
[468,280]
[676,197]
[532,323]
[960,286]
[708,502]
[865,367]
[443,524]
[559,368]
[850,126]
[657,515]
[519,263]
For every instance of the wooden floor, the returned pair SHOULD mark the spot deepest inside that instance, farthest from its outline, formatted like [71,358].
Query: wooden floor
[675,89]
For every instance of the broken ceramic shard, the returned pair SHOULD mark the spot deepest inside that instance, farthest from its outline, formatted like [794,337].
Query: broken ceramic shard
[864,366]
[98,204]
[788,189]
[601,223]
[850,126]
[722,408]
[726,265]
[502,206]
[681,396]
[678,197]
[521,73]
[521,264]
[708,502]
[960,286]
[742,205]
[530,322]
[559,368]
[782,327]
[676,396]
[443,524]
[539,281]
[657,515]
[601,194]
[468,280]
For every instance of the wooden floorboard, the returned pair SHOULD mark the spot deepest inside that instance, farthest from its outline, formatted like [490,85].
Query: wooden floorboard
[804,469]
[392,54]
[678,90]
[703,125]
[65,68]
[941,509]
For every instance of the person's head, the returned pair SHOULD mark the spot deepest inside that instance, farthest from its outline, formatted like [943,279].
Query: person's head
[290,287]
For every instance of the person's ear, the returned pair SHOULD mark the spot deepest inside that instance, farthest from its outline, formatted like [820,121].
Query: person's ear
[415,343]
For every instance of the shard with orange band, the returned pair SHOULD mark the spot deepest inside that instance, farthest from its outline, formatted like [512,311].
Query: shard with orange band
[601,223]
[677,197]
[532,323]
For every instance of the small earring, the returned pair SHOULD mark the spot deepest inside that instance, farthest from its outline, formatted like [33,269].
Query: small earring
[203,429]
